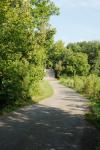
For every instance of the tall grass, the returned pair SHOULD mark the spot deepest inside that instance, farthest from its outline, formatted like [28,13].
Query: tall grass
[90,87]
[46,91]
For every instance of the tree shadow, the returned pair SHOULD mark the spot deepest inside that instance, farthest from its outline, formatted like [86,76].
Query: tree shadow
[40,127]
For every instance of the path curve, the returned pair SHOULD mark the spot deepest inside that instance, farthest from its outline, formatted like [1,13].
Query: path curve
[56,123]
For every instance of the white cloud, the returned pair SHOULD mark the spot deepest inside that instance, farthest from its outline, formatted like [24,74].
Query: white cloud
[78,3]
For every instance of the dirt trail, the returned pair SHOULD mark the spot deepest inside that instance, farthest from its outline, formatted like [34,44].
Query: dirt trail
[56,123]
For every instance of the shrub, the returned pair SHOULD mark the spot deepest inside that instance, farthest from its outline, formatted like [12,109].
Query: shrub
[92,86]
[78,83]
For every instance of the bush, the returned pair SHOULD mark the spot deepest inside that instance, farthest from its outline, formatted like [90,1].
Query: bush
[89,85]
[21,56]
[67,82]
[20,81]
[92,86]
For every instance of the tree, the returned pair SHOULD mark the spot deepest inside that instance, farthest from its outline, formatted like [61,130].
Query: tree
[22,48]
[97,64]
[57,52]
[77,64]
[56,57]
[58,69]
[42,11]
[16,45]
[91,48]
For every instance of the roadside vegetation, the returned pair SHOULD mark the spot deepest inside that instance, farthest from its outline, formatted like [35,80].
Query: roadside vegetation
[77,65]
[25,35]
[89,86]
[45,91]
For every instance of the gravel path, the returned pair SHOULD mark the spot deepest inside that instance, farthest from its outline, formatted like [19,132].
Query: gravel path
[56,123]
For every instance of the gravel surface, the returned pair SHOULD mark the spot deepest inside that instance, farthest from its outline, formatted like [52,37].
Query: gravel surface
[57,123]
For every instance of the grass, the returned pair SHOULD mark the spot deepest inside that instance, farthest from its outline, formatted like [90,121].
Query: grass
[90,87]
[94,115]
[46,91]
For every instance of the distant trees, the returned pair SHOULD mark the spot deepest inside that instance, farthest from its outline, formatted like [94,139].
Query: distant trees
[80,58]
[77,64]
[91,48]
[56,56]
[69,60]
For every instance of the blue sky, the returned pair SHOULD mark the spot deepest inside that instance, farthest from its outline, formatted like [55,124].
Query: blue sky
[79,20]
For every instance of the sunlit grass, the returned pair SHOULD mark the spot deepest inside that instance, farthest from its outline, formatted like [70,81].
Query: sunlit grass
[46,90]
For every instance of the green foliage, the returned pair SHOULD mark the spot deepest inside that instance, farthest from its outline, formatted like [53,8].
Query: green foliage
[67,82]
[90,87]
[58,69]
[97,64]
[91,48]
[23,33]
[82,58]
[55,56]
[43,10]
[76,64]
[44,92]
[67,61]
[78,83]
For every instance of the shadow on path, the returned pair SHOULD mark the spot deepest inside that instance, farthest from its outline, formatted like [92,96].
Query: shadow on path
[41,127]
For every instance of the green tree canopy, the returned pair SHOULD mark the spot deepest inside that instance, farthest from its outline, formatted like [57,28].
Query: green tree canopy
[23,31]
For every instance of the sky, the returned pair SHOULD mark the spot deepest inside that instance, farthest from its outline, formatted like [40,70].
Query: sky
[79,20]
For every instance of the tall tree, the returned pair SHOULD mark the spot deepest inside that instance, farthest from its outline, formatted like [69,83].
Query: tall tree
[22,47]
[42,11]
